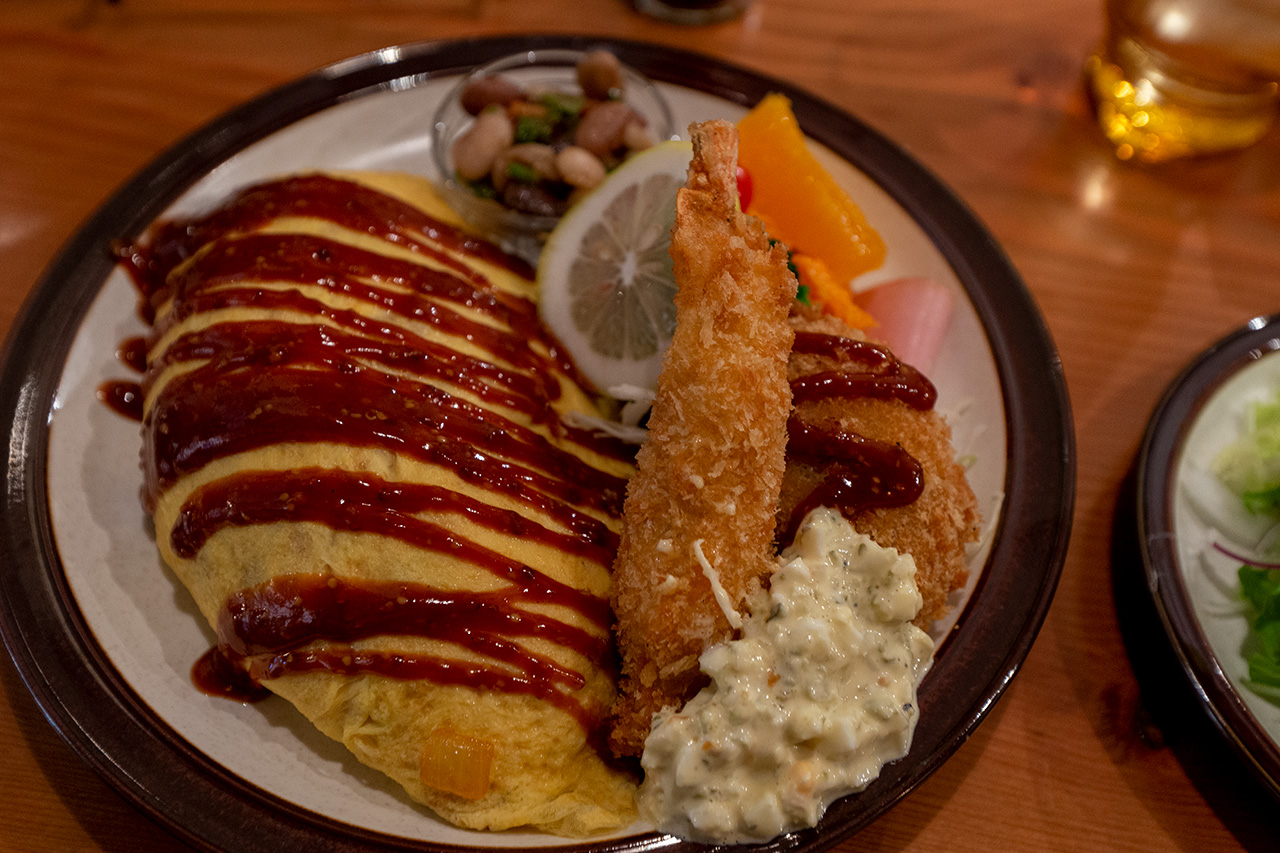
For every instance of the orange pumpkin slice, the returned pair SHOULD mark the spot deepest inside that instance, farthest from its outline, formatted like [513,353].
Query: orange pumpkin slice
[798,200]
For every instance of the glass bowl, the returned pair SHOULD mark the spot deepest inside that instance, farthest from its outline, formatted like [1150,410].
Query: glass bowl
[518,232]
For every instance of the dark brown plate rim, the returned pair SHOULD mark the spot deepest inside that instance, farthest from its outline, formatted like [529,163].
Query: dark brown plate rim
[1158,461]
[104,721]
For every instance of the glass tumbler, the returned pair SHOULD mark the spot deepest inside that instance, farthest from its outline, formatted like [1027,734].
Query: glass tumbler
[1176,78]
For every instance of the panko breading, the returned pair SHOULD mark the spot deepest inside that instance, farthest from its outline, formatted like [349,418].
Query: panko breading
[698,520]
[936,526]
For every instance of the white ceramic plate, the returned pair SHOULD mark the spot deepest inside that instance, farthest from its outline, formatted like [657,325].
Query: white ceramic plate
[1183,509]
[114,677]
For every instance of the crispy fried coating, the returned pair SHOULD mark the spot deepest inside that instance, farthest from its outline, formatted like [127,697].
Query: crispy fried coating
[709,476]
[937,526]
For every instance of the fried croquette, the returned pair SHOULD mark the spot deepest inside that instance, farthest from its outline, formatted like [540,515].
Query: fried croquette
[698,523]
[935,527]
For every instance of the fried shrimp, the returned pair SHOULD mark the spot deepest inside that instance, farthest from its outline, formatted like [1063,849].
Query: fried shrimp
[699,513]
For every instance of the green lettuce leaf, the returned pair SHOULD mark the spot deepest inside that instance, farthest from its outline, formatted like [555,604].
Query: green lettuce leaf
[1261,588]
[1250,466]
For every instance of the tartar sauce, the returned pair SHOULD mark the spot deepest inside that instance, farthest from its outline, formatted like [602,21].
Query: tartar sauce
[807,706]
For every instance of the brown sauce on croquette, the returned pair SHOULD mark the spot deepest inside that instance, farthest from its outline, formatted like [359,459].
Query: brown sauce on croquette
[860,472]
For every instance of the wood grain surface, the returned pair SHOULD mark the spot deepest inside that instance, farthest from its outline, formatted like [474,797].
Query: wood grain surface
[1136,270]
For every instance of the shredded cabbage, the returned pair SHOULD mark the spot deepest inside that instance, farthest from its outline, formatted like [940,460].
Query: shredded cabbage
[1250,468]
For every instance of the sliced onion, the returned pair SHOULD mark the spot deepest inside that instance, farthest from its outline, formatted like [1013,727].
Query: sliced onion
[1247,559]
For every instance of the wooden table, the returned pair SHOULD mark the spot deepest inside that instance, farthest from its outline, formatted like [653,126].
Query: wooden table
[1136,270]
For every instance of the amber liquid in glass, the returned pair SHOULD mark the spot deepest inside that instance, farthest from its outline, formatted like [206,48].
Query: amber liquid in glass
[1176,78]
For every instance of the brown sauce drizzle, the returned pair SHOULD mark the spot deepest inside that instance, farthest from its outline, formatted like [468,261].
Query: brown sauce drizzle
[207,415]
[133,353]
[220,674]
[347,203]
[308,622]
[123,398]
[860,473]
[884,375]
[342,500]
[316,370]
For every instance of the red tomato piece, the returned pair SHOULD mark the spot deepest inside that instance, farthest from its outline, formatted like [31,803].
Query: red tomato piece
[744,188]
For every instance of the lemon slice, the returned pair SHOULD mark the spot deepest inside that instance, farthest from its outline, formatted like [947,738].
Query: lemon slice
[605,283]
